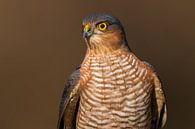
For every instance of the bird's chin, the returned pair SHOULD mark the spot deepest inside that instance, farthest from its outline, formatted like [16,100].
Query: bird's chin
[93,41]
[86,40]
[95,38]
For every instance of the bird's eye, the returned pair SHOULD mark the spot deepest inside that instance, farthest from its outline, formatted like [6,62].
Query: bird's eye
[102,26]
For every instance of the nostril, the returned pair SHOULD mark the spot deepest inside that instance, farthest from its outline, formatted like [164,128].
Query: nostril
[88,30]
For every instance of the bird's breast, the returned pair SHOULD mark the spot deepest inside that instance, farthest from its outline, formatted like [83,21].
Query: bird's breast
[116,93]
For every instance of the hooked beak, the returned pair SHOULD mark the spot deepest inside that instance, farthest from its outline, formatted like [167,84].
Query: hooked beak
[87,32]
[87,35]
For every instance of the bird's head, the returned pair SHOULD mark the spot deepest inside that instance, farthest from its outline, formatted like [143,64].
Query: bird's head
[103,33]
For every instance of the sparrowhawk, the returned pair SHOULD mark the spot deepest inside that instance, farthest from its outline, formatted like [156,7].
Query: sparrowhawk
[112,88]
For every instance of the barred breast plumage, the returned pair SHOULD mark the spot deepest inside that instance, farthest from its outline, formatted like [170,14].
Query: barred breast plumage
[117,93]
[112,89]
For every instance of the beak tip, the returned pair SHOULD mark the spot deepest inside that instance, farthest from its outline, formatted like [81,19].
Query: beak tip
[87,35]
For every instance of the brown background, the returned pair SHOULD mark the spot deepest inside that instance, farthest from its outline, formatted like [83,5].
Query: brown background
[41,43]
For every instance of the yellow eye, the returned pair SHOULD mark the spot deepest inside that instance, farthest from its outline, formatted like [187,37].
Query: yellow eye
[86,28]
[102,26]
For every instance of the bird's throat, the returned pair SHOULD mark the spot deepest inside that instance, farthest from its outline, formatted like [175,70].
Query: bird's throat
[106,43]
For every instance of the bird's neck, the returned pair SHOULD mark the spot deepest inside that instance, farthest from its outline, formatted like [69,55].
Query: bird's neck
[107,44]
[106,51]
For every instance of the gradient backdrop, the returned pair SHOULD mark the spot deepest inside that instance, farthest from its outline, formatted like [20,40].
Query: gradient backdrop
[41,43]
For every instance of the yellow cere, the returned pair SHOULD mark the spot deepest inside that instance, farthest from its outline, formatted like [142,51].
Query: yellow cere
[86,28]
[102,26]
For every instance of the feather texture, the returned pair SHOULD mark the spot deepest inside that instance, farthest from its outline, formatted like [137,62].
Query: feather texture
[69,102]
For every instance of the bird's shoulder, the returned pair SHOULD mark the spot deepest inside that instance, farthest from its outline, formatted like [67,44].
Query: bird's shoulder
[159,100]
[143,63]
[69,85]
[69,101]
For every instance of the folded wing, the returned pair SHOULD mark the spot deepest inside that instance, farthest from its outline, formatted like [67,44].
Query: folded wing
[69,102]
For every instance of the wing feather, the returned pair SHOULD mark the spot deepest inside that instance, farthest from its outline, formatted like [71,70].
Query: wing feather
[161,103]
[159,108]
[69,102]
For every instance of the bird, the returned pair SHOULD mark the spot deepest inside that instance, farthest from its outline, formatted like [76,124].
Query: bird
[112,88]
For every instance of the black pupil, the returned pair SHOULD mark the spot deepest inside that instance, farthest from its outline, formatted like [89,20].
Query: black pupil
[102,26]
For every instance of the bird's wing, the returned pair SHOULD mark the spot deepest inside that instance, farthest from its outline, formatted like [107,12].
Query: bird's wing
[159,108]
[159,100]
[69,102]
